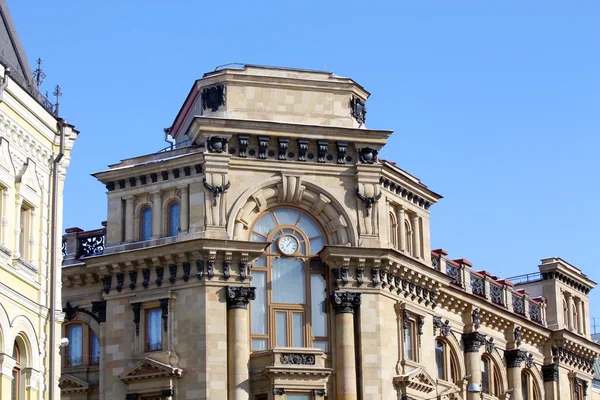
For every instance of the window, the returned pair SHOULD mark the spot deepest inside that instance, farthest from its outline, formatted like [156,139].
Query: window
[290,309]
[446,363]
[24,224]
[173,219]
[297,396]
[529,389]
[490,377]
[409,341]
[146,223]
[565,313]
[153,329]
[75,347]
[408,236]
[94,349]
[17,393]
[393,231]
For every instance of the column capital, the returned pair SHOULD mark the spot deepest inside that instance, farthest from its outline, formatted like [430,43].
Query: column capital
[550,372]
[129,199]
[345,302]
[514,358]
[473,341]
[240,296]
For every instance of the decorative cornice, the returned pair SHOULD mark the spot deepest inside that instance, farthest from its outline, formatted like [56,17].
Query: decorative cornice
[473,341]
[240,296]
[405,193]
[345,302]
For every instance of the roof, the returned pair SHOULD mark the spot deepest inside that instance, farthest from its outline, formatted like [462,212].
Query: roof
[11,50]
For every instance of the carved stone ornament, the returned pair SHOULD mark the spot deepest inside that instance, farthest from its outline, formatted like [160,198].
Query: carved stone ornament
[172,273]
[369,201]
[213,97]
[244,268]
[358,110]
[159,275]
[210,268]
[444,327]
[297,359]
[420,323]
[240,296]
[106,284]
[199,269]
[529,360]
[120,280]
[227,269]
[345,302]
[475,318]
[244,141]
[473,341]
[517,334]
[375,276]
[278,392]
[283,147]
[146,277]
[263,145]
[302,149]
[216,190]
[490,346]
[367,155]
[406,319]
[322,148]
[70,311]
[550,372]
[514,358]
[319,392]
[342,148]
[216,144]
[137,307]
[164,307]
[360,276]
[186,271]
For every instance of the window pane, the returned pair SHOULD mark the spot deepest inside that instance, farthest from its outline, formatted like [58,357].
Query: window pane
[259,344]
[297,397]
[146,227]
[408,340]
[281,329]
[297,327]
[261,262]
[265,224]
[75,336]
[524,388]
[439,359]
[154,333]
[288,281]
[174,219]
[258,319]
[256,238]
[318,300]
[287,216]
[94,349]
[316,245]
[485,377]
[320,344]
[309,227]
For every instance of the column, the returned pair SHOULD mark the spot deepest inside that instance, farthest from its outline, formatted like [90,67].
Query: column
[473,341]
[579,305]
[550,374]
[416,236]
[6,366]
[238,341]
[514,358]
[402,226]
[184,211]
[129,219]
[570,310]
[4,214]
[344,304]
[156,214]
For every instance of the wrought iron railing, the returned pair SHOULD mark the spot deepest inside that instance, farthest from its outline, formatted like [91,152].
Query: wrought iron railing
[78,244]
[526,278]
[477,284]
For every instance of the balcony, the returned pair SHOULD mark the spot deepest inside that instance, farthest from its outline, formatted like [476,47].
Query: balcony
[78,244]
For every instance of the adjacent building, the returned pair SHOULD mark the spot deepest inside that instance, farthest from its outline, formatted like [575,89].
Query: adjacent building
[270,254]
[35,146]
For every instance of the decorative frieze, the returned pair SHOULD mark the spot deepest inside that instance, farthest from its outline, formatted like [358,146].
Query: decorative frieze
[473,341]
[561,354]
[297,359]
[345,302]
[240,296]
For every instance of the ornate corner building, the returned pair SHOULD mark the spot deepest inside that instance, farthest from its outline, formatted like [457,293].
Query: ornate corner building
[270,254]
[35,147]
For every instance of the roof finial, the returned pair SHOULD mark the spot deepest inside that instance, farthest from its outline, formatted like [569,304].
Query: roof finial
[38,74]
[57,93]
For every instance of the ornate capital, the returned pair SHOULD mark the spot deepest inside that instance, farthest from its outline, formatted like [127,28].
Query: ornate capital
[345,302]
[473,341]
[514,358]
[550,372]
[240,296]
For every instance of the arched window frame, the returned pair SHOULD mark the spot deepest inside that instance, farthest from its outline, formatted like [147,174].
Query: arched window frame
[529,387]
[88,337]
[141,214]
[314,275]
[450,366]
[393,230]
[493,384]
[408,236]
[565,312]
[170,229]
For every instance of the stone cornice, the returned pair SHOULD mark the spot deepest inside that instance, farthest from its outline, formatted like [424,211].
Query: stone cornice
[404,184]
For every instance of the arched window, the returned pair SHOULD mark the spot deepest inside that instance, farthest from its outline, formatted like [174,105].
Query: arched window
[285,313]
[17,391]
[446,362]
[529,389]
[408,236]
[393,231]
[490,377]
[145,223]
[83,348]
[173,219]
[566,313]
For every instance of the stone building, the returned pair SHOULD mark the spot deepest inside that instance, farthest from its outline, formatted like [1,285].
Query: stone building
[270,254]
[35,146]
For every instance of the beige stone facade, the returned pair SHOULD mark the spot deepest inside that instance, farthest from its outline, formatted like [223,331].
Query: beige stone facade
[270,254]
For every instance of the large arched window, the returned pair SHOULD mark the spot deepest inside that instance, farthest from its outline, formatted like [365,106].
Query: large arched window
[83,348]
[490,377]
[173,219]
[445,361]
[145,223]
[290,309]
[529,389]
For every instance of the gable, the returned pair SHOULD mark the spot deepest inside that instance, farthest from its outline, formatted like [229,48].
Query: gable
[150,369]
[6,164]
[71,384]
[422,382]
[28,179]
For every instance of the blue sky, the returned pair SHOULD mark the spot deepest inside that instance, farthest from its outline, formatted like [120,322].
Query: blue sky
[494,103]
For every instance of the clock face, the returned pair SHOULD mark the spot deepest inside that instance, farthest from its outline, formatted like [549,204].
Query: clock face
[288,245]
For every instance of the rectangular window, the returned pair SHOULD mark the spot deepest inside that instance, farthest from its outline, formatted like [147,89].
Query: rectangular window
[281,328]
[153,329]
[94,349]
[440,360]
[485,377]
[297,327]
[75,347]
[409,341]
[297,396]
[24,217]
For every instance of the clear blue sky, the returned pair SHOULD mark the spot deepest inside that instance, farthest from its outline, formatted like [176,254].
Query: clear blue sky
[495,104]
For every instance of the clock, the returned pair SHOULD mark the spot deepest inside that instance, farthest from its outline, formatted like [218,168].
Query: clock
[287,245]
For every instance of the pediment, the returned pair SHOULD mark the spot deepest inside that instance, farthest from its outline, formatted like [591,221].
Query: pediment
[28,177]
[6,163]
[71,384]
[150,369]
[420,381]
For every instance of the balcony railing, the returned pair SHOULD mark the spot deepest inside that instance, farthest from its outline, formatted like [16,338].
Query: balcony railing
[526,278]
[500,292]
[78,243]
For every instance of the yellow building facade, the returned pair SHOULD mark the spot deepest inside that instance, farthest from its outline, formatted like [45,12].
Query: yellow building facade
[34,153]
[270,254]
